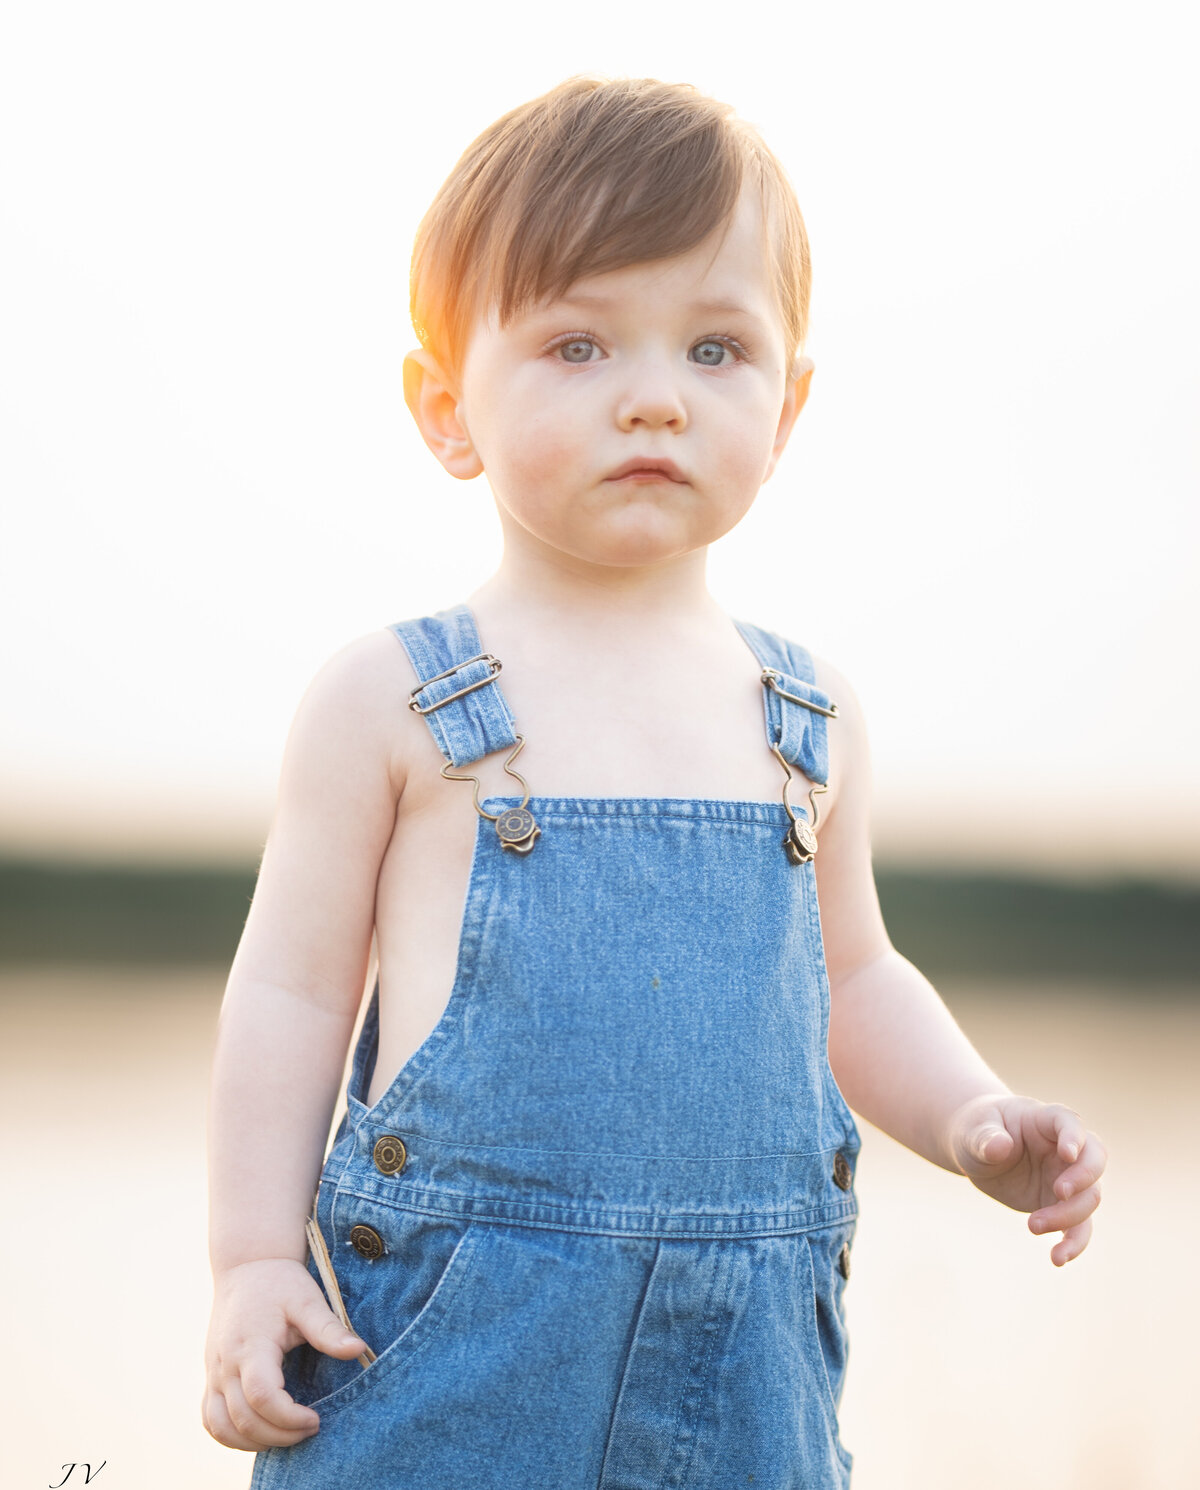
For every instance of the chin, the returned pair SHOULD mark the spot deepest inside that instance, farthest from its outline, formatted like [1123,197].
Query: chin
[633,552]
[638,539]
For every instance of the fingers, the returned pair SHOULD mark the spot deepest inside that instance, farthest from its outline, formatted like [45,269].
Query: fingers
[260,1431]
[1072,1244]
[247,1406]
[1085,1171]
[1073,1144]
[1072,1214]
[1064,1214]
[246,1433]
[219,1425]
[1064,1128]
[262,1389]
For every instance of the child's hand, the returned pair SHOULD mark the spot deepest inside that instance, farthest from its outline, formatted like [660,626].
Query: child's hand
[260,1310]
[1033,1156]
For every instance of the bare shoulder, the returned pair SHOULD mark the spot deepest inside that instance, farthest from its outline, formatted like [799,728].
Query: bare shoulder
[849,757]
[356,707]
[311,919]
[850,721]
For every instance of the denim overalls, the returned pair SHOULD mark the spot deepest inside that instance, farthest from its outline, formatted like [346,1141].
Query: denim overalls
[597,1229]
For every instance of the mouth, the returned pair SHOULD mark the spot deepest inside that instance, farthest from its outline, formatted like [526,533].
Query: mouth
[648,470]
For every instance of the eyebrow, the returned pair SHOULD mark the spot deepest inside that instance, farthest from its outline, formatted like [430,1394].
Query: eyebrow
[700,307]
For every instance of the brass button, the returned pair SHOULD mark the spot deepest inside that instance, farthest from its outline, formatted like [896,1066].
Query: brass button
[390,1154]
[844,1260]
[842,1177]
[367,1242]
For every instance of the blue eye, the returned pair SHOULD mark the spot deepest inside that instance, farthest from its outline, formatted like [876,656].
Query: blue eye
[576,351]
[710,352]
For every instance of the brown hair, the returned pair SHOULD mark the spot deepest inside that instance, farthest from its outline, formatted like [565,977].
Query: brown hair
[594,175]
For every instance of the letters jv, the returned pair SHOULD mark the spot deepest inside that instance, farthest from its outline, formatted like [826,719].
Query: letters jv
[89,1474]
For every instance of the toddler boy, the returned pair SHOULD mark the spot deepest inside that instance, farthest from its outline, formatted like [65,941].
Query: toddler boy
[591,1205]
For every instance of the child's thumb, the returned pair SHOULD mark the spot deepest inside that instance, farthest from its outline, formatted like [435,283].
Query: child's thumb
[989,1143]
[325,1332]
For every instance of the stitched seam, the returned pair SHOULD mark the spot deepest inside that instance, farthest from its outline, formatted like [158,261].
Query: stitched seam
[690,1397]
[625,1367]
[582,1222]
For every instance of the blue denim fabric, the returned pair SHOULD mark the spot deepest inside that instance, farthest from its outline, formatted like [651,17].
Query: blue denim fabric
[616,1254]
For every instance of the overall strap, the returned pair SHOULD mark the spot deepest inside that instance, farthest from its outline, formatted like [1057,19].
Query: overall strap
[458,695]
[795,708]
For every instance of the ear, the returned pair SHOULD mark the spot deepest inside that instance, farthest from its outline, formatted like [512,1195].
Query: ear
[433,402]
[794,398]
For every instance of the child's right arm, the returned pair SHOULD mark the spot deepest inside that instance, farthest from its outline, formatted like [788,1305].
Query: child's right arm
[284,1029]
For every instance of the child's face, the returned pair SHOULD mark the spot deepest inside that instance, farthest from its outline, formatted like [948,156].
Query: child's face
[633,420]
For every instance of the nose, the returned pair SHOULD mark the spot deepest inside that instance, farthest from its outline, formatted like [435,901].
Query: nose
[651,398]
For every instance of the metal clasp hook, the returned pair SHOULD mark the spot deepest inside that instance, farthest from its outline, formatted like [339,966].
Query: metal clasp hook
[515,826]
[800,840]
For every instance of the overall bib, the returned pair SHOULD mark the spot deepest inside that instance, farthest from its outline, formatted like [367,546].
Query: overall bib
[597,1229]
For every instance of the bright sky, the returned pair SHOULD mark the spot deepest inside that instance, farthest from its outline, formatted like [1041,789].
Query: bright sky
[987,517]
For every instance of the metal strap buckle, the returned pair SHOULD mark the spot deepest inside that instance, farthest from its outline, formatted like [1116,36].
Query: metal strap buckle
[493,672]
[770,679]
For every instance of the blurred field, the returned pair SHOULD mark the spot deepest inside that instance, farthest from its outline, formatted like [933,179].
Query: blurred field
[951,923]
[974,1362]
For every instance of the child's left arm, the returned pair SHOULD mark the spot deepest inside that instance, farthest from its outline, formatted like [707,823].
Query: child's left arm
[898,1055]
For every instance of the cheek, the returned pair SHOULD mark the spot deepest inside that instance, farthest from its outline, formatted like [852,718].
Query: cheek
[745,453]
[531,455]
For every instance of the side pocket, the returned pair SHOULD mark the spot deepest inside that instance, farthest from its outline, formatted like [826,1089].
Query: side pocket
[396,1299]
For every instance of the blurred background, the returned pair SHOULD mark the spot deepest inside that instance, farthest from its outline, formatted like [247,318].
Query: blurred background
[987,518]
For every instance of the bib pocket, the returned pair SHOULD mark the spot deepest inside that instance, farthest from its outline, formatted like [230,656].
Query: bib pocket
[399,1273]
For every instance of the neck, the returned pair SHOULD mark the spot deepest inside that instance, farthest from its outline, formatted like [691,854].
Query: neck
[558,589]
